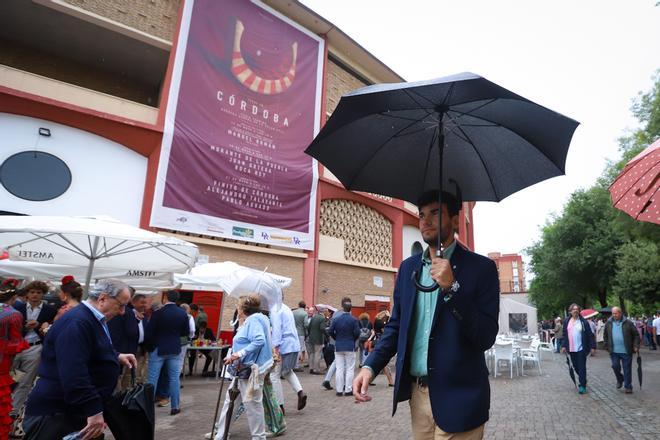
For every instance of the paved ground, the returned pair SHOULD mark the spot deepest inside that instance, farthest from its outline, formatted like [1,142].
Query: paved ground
[533,406]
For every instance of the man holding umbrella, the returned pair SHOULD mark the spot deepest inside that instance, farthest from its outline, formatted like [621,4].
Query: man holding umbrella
[440,336]
[621,339]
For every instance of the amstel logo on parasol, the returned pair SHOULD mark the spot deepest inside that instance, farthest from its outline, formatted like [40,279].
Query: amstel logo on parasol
[34,255]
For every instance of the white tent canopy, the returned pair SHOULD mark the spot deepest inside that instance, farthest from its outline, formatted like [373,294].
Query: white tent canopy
[142,281]
[516,317]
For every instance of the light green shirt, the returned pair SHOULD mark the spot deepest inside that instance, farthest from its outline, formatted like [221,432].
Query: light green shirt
[423,317]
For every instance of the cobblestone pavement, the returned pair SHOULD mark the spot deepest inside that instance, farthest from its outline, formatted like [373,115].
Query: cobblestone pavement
[528,407]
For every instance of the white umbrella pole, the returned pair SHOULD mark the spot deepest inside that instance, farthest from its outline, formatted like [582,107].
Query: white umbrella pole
[222,308]
[90,268]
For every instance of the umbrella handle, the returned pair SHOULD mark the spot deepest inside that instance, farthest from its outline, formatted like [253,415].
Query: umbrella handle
[420,287]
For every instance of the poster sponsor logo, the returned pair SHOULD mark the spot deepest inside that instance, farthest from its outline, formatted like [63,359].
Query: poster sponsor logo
[242,232]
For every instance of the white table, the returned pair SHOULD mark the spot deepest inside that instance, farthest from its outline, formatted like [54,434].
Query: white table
[218,349]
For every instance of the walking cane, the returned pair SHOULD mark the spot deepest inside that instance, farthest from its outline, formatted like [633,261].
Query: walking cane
[217,405]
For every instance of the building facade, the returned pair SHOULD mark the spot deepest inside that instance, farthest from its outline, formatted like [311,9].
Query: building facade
[511,271]
[84,86]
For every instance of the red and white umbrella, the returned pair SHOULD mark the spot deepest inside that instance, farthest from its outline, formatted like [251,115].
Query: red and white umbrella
[588,313]
[635,190]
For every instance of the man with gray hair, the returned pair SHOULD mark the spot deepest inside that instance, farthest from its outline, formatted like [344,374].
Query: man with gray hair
[621,339]
[79,368]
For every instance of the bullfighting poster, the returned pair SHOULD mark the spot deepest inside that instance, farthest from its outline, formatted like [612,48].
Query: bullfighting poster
[244,103]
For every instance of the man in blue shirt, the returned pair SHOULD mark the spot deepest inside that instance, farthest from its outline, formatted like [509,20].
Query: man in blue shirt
[621,339]
[440,336]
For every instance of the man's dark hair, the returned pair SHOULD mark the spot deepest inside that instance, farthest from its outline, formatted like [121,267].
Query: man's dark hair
[302,304]
[172,295]
[138,296]
[194,307]
[37,285]
[447,199]
[346,304]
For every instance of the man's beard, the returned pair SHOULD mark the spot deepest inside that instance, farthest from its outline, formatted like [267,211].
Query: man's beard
[433,240]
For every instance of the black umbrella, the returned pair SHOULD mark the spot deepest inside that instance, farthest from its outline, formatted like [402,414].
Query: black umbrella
[233,394]
[639,368]
[571,371]
[130,414]
[217,405]
[401,140]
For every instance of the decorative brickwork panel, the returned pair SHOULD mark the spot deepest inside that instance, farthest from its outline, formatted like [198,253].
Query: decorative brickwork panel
[154,17]
[338,83]
[367,234]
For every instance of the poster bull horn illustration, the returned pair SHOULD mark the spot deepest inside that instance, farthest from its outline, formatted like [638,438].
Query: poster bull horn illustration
[246,76]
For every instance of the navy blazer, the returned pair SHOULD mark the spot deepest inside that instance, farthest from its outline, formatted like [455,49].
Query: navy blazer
[588,337]
[125,332]
[47,314]
[79,367]
[165,329]
[345,330]
[462,329]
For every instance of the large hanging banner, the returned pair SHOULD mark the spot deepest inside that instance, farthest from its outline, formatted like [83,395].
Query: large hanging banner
[244,103]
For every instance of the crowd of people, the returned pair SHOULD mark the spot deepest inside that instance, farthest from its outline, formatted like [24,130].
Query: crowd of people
[619,335]
[63,358]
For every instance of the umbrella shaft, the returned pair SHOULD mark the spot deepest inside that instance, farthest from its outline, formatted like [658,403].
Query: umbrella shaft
[441,147]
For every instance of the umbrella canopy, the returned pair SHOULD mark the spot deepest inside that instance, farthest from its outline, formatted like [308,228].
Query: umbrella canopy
[93,243]
[571,371]
[145,282]
[639,368]
[323,307]
[389,139]
[588,313]
[635,190]
[236,280]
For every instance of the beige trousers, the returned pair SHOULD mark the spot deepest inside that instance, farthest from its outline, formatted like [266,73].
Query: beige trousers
[423,425]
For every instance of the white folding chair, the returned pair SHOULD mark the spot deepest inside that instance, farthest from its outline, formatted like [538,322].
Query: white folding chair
[504,352]
[531,354]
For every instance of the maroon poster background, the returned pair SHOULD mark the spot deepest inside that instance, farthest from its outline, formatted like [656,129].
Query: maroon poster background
[237,153]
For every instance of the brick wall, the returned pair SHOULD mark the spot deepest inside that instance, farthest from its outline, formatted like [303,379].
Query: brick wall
[279,264]
[338,82]
[154,17]
[352,281]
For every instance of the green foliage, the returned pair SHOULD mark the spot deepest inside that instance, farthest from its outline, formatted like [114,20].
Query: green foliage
[592,253]
[637,275]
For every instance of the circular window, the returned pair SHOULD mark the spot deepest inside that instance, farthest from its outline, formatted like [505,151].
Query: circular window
[35,176]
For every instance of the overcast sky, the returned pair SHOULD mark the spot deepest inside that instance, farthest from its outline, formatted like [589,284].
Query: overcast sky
[585,59]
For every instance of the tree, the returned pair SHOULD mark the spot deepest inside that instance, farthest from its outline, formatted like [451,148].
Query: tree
[594,251]
[575,259]
[637,269]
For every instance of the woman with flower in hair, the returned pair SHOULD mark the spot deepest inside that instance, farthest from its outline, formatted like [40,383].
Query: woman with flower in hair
[71,293]
[11,343]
